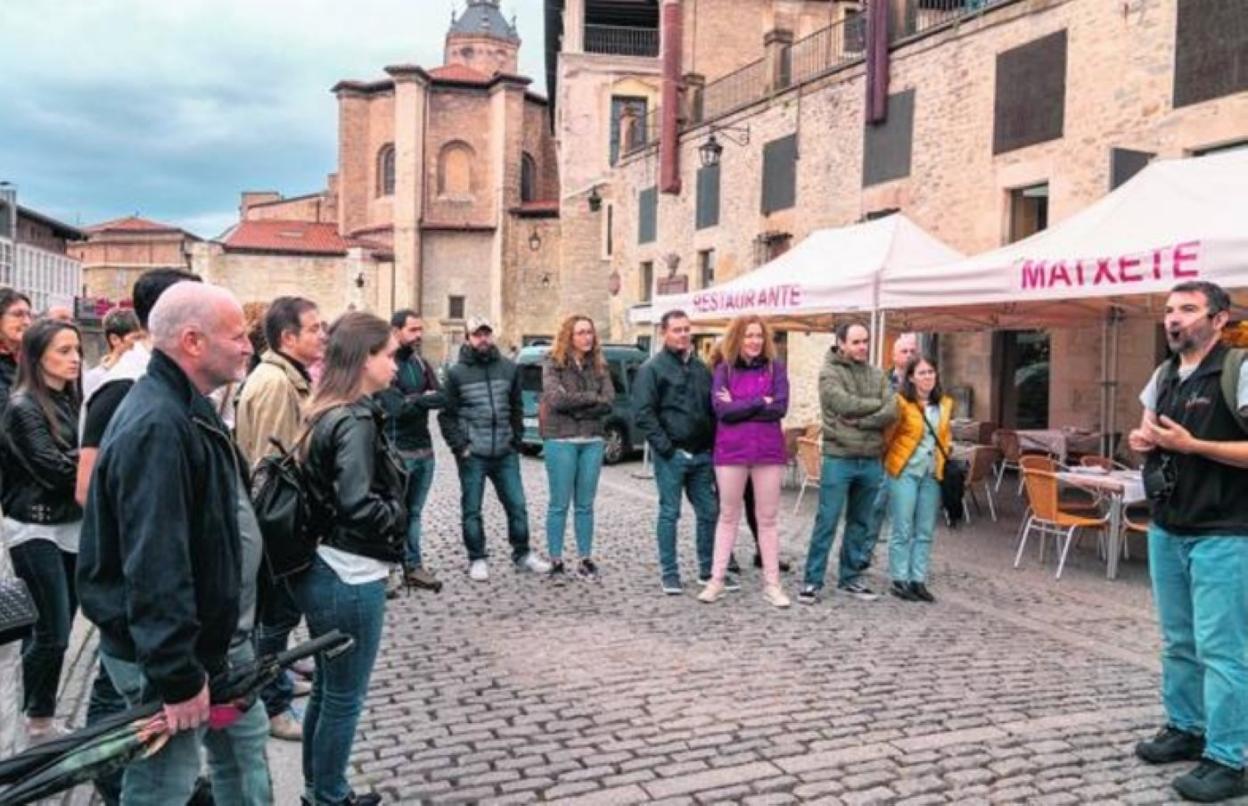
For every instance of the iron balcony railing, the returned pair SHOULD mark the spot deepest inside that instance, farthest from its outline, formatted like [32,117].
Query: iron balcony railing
[919,16]
[739,88]
[826,49]
[619,40]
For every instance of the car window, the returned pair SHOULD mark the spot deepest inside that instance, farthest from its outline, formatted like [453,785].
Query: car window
[531,378]
[617,379]
[631,372]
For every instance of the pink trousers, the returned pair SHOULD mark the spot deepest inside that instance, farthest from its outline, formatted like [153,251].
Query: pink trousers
[731,480]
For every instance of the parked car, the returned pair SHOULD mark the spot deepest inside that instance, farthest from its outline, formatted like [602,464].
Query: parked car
[622,436]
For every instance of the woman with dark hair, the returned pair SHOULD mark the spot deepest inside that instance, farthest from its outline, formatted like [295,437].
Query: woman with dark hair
[915,448]
[353,467]
[15,317]
[750,395]
[576,398]
[41,517]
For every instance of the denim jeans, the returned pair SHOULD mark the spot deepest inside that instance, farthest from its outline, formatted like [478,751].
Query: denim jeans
[504,473]
[279,616]
[105,701]
[236,760]
[695,476]
[852,484]
[419,480]
[341,683]
[572,470]
[1200,587]
[915,504]
[49,574]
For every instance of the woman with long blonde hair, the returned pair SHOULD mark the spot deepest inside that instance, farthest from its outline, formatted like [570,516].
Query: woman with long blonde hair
[576,398]
[750,395]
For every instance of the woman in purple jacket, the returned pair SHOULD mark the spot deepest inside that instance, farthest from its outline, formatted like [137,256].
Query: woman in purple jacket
[750,393]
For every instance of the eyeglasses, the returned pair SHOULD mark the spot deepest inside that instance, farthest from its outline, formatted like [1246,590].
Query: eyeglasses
[20,314]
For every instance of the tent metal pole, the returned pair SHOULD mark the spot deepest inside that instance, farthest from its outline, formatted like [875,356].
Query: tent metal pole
[1112,389]
[1103,419]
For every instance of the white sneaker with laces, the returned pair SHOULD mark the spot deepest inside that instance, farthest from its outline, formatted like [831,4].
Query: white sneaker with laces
[531,562]
[479,571]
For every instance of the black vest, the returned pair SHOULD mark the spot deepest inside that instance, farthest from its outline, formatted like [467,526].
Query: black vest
[1209,498]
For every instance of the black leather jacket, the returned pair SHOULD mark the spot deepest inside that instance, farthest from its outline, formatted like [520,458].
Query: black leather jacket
[8,375]
[352,465]
[40,460]
[160,565]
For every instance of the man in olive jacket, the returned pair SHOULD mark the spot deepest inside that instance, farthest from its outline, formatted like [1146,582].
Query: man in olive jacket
[672,405]
[857,405]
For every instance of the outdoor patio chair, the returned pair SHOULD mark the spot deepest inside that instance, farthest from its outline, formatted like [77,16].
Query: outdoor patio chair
[1049,518]
[810,458]
[1011,452]
[983,457]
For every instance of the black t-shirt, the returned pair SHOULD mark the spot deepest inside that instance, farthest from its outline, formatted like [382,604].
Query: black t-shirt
[100,410]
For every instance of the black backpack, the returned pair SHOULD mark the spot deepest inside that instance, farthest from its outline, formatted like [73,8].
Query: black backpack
[287,509]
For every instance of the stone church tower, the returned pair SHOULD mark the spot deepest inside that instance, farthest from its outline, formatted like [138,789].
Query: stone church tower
[481,39]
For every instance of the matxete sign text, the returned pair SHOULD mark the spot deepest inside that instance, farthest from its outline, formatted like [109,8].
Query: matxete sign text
[1167,264]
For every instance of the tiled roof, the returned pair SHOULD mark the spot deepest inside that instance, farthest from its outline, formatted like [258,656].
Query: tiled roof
[131,224]
[483,18]
[458,72]
[300,237]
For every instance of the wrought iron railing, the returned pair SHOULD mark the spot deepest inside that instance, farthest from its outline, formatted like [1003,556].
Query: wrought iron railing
[827,49]
[919,16]
[737,89]
[619,40]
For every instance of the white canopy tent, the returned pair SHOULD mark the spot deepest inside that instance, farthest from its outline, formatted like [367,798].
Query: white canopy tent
[832,271]
[1176,220]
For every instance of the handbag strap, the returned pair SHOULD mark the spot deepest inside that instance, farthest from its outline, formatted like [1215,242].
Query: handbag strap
[935,436]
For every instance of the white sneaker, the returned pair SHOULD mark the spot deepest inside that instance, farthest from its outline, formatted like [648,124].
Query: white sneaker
[774,595]
[479,571]
[531,562]
[711,592]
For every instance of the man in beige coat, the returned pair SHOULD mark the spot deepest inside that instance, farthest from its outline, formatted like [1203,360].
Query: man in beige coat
[271,404]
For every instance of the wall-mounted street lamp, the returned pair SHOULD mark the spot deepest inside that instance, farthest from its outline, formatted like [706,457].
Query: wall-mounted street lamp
[595,200]
[711,150]
[359,280]
[535,240]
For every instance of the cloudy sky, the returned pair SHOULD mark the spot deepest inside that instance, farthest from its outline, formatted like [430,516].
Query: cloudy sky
[171,109]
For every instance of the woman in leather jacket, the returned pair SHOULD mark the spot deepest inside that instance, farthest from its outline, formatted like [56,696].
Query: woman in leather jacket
[353,468]
[41,517]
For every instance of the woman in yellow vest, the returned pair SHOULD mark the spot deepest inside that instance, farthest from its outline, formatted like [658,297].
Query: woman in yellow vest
[915,448]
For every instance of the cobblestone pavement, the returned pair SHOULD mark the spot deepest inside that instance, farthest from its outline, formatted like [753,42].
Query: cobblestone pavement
[1013,688]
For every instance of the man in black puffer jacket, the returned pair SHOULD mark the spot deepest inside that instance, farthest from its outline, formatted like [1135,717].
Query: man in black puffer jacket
[482,423]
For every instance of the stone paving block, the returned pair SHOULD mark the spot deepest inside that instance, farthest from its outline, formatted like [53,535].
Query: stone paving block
[723,776]
[869,797]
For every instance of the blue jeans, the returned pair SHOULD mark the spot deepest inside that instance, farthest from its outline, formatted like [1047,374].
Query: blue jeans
[49,574]
[504,473]
[236,761]
[915,505]
[341,683]
[278,618]
[856,481]
[695,476]
[419,480]
[572,470]
[105,701]
[1200,586]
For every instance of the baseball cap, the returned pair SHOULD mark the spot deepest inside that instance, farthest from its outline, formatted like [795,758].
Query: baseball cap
[476,323]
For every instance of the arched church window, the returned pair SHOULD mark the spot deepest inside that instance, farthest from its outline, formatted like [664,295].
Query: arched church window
[455,169]
[528,178]
[385,170]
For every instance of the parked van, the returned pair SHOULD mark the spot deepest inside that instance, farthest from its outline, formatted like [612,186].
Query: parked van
[622,436]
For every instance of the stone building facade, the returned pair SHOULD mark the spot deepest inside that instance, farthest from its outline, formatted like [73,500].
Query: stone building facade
[35,254]
[116,252]
[445,199]
[1003,116]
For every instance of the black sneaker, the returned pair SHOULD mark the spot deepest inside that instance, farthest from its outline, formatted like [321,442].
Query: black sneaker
[557,572]
[902,591]
[859,590]
[733,568]
[921,593]
[1171,745]
[1211,782]
[785,567]
[808,595]
[672,586]
[587,569]
[731,582]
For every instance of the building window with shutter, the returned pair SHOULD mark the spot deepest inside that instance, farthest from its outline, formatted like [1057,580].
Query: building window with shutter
[647,280]
[706,268]
[628,129]
[1030,104]
[708,197]
[780,174]
[454,307]
[647,215]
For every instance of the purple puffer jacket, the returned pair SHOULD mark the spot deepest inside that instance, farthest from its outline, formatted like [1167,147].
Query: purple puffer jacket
[748,430]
